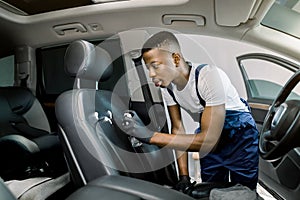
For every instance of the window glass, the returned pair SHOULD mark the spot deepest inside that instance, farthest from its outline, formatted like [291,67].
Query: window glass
[265,79]
[295,93]
[55,79]
[7,71]
[284,16]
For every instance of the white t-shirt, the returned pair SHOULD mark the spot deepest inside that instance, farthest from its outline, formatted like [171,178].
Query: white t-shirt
[214,87]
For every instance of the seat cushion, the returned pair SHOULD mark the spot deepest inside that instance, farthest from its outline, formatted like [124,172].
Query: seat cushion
[115,187]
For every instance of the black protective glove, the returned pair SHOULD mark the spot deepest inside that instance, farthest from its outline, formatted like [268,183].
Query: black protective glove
[184,183]
[134,126]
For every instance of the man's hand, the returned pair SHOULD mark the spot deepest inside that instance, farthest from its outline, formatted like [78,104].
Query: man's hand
[134,126]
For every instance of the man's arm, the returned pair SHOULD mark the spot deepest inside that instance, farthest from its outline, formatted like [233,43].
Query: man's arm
[178,128]
[212,123]
[211,127]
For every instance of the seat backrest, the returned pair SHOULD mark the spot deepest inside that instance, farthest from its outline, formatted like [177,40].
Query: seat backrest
[76,128]
[89,121]
[21,113]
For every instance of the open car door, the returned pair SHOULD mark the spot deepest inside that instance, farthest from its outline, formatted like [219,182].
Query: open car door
[275,107]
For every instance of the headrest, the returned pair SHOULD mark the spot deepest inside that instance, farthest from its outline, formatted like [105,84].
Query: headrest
[87,61]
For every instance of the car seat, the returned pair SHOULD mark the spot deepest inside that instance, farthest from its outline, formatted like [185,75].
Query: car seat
[27,147]
[89,122]
[113,187]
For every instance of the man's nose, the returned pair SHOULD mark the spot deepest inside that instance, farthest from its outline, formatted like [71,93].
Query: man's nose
[151,73]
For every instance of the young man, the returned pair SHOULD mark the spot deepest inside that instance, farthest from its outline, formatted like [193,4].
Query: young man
[227,138]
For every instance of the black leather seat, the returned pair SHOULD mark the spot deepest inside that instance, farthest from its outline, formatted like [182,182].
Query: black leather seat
[125,188]
[114,187]
[21,113]
[89,122]
[26,144]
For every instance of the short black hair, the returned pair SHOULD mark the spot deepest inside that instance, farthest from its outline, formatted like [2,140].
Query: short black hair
[164,39]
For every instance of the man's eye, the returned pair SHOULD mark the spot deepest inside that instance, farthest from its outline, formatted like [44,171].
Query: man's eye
[155,66]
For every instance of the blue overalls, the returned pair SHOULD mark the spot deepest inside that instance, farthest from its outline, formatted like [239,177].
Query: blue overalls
[236,152]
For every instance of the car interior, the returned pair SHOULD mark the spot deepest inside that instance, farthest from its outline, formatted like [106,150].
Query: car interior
[70,69]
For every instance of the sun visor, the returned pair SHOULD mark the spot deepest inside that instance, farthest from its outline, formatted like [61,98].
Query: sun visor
[235,12]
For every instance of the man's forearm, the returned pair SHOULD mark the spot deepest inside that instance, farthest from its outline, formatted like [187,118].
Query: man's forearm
[182,142]
[182,162]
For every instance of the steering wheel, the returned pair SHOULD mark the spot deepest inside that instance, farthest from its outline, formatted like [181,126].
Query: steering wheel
[281,128]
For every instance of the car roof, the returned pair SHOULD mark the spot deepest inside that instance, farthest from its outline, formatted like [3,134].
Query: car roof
[35,23]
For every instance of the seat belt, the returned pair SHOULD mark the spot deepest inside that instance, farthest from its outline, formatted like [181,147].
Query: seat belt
[23,81]
[149,102]
[153,113]
[24,63]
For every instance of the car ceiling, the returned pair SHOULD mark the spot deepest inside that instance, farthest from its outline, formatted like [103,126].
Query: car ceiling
[33,22]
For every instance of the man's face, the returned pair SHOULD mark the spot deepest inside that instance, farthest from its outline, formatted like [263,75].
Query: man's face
[160,64]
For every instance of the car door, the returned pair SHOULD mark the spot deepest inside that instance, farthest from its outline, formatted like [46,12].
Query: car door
[264,76]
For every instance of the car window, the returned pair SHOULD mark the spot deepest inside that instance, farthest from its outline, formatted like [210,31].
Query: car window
[7,71]
[53,80]
[264,79]
[284,16]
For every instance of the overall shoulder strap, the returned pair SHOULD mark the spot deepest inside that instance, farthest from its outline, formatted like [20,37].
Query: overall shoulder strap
[197,72]
[170,91]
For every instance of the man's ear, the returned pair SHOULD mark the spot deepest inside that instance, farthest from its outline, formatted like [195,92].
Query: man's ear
[176,58]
